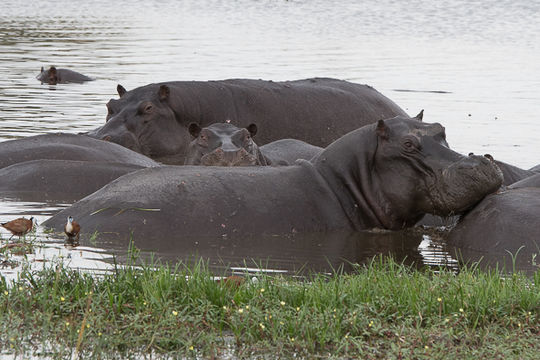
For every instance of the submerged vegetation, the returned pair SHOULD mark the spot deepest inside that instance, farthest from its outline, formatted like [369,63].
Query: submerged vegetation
[382,310]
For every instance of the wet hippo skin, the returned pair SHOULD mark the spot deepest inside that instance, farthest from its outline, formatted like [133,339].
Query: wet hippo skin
[60,146]
[502,226]
[384,175]
[59,180]
[154,119]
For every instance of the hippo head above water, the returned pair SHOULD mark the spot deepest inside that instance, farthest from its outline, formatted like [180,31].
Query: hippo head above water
[146,123]
[54,76]
[411,172]
[223,144]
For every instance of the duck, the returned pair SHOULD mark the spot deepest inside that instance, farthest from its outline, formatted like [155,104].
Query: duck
[72,228]
[19,227]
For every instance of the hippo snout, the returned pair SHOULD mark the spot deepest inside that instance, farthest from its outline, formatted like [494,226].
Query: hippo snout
[220,157]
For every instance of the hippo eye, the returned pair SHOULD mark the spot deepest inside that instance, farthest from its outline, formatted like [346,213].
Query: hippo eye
[410,145]
[148,108]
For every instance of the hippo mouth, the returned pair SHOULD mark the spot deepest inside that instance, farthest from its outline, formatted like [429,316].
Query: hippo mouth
[223,158]
[463,184]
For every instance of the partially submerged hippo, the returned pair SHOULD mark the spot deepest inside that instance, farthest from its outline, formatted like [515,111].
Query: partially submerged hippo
[503,229]
[224,144]
[531,181]
[384,175]
[154,119]
[61,146]
[55,76]
[59,180]
[510,172]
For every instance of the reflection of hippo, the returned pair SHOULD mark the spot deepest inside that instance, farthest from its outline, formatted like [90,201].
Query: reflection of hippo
[153,119]
[55,76]
[58,180]
[498,227]
[67,147]
[385,175]
[223,144]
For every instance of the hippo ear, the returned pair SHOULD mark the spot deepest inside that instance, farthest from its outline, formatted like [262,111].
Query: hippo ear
[382,130]
[420,115]
[42,69]
[52,70]
[164,92]
[194,129]
[252,128]
[121,90]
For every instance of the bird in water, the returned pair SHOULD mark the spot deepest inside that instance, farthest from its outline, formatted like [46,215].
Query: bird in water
[72,228]
[19,227]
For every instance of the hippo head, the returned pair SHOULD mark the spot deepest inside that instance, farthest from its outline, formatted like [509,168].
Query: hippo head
[400,169]
[49,76]
[146,124]
[223,144]
[419,174]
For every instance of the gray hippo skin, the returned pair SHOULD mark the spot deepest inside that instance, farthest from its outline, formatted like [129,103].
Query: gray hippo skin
[224,144]
[384,175]
[154,119]
[511,173]
[58,180]
[55,76]
[60,146]
[287,151]
[531,181]
[535,168]
[502,226]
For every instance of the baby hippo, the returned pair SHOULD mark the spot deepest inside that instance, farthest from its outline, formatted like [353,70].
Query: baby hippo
[224,144]
[55,76]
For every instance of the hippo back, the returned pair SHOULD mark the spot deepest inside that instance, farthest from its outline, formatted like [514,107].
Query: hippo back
[60,146]
[153,119]
[287,151]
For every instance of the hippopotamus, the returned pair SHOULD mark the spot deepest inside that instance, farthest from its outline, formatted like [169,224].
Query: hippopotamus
[55,76]
[224,144]
[62,146]
[511,173]
[503,229]
[535,168]
[153,119]
[384,175]
[287,151]
[531,181]
[59,180]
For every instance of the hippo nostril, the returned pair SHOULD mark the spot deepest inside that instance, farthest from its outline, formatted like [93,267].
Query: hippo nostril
[471,154]
[219,151]
[106,138]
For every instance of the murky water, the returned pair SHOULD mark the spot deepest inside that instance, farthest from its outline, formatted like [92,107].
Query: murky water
[472,66]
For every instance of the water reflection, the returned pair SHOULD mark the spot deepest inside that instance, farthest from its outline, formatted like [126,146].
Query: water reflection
[293,254]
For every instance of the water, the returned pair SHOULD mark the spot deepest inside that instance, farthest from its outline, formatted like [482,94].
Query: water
[472,66]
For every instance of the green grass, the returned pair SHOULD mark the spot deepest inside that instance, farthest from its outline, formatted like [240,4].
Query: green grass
[384,310]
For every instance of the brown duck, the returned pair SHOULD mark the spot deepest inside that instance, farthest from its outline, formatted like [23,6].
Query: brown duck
[72,228]
[19,227]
